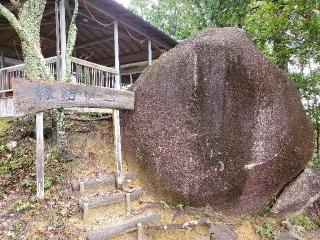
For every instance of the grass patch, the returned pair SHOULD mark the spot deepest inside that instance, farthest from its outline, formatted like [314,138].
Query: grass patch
[266,231]
[4,128]
[18,160]
[304,221]
[24,206]
[27,183]
[246,218]
[47,182]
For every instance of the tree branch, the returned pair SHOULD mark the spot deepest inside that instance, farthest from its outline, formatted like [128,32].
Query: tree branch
[14,22]
[72,36]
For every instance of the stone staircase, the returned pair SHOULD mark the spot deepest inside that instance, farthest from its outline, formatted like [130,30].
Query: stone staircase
[97,193]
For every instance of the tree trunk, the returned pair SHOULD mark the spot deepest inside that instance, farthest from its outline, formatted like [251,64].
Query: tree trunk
[30,15]
[318,140]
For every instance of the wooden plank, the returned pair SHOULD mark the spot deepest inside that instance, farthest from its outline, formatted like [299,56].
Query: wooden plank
[36,96]
[103,180]
[110,199]
[111,231]
[40,155]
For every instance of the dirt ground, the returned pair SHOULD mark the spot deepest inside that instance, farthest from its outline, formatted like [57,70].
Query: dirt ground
[90,143]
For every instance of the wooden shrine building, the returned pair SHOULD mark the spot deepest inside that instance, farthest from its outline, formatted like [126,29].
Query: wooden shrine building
[99,22]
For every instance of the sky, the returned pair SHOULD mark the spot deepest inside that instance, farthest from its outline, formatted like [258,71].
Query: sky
[125,3]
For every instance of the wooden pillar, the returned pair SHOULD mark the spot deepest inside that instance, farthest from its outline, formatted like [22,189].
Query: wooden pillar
[140,231]
[2,74]
[58,52]
[131,79]
[149,51]
[63,39]
[2,63]
[116,114]
[40,155]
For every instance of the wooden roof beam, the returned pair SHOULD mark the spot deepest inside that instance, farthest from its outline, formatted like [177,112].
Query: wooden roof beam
[92,43]
[127,58]
[94,4]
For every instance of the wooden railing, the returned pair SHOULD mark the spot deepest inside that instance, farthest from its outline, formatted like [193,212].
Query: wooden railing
[83,72]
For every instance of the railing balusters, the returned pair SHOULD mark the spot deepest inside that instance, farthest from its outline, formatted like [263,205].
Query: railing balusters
[83,71]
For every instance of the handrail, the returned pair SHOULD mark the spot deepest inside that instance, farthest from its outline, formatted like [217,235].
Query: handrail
[73,59]
[93,65]
[20,67]
[83,72]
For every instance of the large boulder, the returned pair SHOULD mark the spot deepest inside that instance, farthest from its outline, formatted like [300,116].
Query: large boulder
[216,124]
[301,195]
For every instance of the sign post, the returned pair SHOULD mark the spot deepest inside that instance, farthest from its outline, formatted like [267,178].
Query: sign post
[38,96]
[40,155]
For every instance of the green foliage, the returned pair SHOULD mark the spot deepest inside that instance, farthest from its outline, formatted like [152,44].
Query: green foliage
[23,206]
[182,19]
[3,149]
[60,178]
[315,162]
[18,160]
[285,30]
[180,206]
[246,218]
[266,230]
[27,183]
[47,182]
[303,220]
[4,128]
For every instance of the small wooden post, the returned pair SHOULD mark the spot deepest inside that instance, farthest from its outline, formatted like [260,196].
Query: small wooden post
[128,205]
[85,211]
[40,155]
[116,114]
[140,231]
[131,79]
[149,51]
[82,189]
[63,39]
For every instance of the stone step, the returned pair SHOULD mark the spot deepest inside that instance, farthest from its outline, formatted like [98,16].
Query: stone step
[109,179]
[110,199]
[136,223]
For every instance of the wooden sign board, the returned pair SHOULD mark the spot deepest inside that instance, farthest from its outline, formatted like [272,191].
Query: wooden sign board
[37,96]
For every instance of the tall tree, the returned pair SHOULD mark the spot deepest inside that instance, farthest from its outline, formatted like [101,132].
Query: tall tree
[287,31]
[25,17]
[182,19]
[309,88]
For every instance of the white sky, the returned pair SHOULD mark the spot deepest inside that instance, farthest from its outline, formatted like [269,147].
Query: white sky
[125,3]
